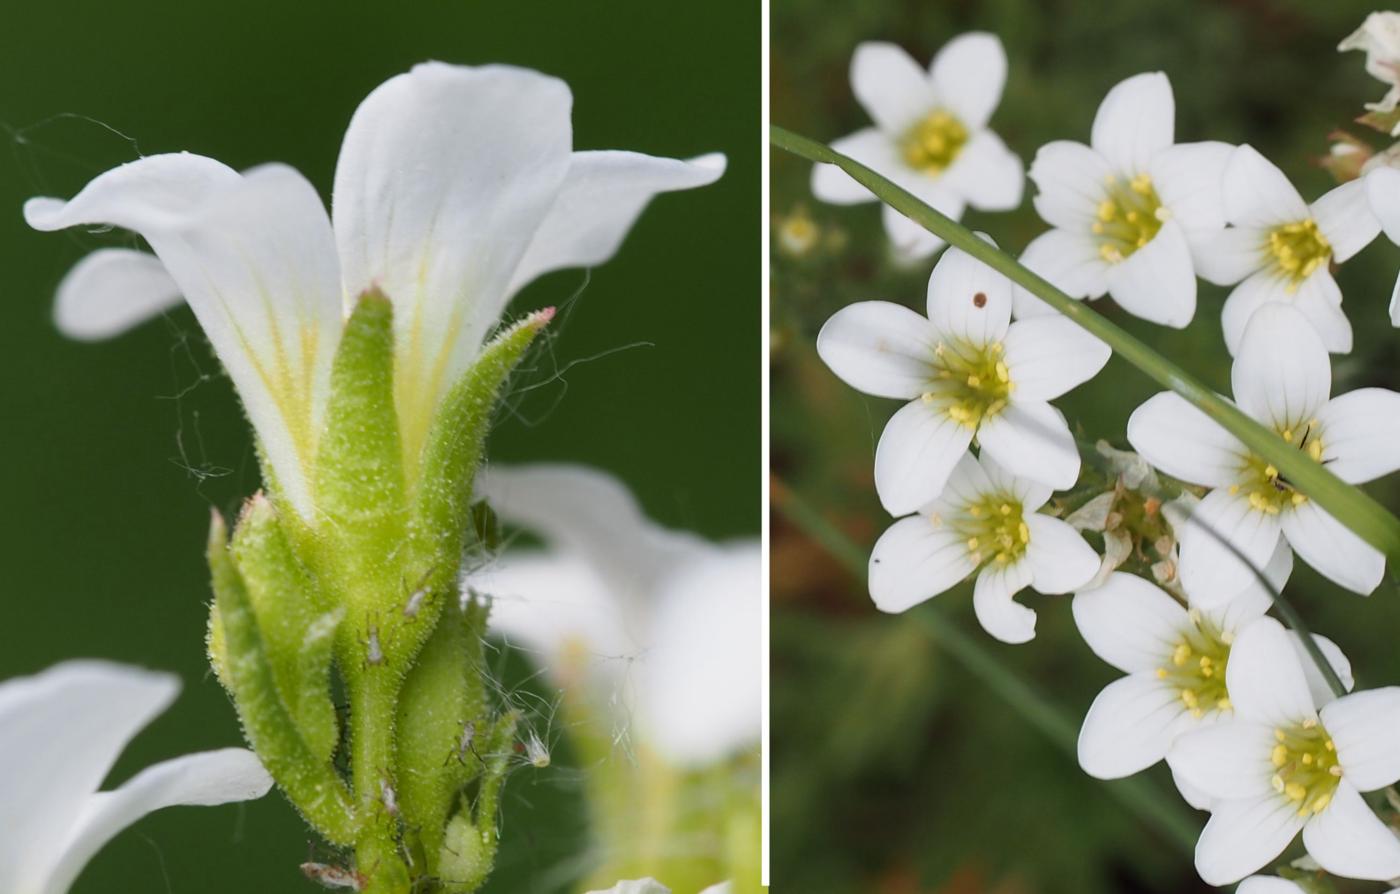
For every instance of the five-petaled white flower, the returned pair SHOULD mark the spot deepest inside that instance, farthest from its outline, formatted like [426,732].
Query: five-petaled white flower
[1175,660]
[665,625]
[1379,38]
[1288,761]
[1383,191]
[985,523]
[1282,378]
[60,733]
[1280,248]
[930,135]
[970,373]
[1130,210]
[455,187]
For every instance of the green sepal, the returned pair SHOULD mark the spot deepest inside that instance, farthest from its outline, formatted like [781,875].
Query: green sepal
[297,626]
[311,783]
[469,848]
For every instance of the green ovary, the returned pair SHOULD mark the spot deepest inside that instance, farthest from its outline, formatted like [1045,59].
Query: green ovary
[1128,217]
[1299,249]
[1196,668]
[1305,764]
[934,142]
[994,529]
[1267,490]
[970,383]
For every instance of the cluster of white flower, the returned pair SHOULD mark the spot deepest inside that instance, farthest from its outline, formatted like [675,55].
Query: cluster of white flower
[1237,705]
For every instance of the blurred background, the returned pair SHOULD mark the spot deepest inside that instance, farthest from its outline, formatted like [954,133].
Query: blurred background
[897,770]
[113,453]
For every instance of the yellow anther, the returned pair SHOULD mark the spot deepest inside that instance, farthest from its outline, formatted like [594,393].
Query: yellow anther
[1003,557]
[1004,508]
[1308,759]
[1180,654]
[972,544]
[1142,184]
[1234,489]
[1224,704]
[1189,697]
[927,397]
[1025,532]
[1280,735]
[1096,228]
[974,510]
[1320,803]
[973,381]
[1277,783]
[1279,758]
[1270,472]
[1161,673]
[1315,450]
[1106,210]
[1310,723]
[1295,791]
[1329,744]
[1003,373]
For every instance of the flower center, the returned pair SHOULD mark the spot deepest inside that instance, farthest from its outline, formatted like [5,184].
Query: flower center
[1128,217]
[1197,667]
[1269,491]
[994,529]
[1305,766]
[970,382]
[1299,249]
[933,143]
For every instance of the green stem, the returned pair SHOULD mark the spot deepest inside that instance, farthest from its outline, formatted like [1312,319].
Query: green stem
[1157,809]
[1353,508]
[377,850]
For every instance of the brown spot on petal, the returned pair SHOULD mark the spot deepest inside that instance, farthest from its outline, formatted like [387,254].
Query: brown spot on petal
[980,299]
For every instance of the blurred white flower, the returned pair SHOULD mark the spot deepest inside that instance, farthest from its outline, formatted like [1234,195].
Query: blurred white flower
[930,135]
[985,523]
[1129,210]
[652,886]
[1379,38]
[455,187]
[1269,884]
[968,372]
[1282,378]
[668,623]
[60,732]
[1280,249]
[1291,761]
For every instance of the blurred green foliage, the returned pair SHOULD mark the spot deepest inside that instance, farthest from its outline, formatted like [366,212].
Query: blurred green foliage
[895,770]
[112,453]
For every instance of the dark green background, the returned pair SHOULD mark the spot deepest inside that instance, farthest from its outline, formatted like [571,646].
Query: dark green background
[895,770]
[103,521]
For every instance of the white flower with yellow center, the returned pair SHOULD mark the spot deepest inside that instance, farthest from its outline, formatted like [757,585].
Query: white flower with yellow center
[1289,762]
[455,187]
[1282,378]
[968,373]
[930,135]
[1129,210]
[986,523]
[1279,248]
[1175,658]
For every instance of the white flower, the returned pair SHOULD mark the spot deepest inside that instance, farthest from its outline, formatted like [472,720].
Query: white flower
[455,187]
[1289,761]
[1175,660]
[1282,378]
[968,372]
[1281,248]
[1383,191]
[930,135]
[986,523]
[1379,38]
[60,732]
[1269,884]
[652,886]
[666,620]
[1130,210]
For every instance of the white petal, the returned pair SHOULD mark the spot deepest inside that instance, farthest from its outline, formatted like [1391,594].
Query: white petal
[1067,259]
[1257,194]
[1135,121]
[195,780]
[1157,282]
[915,560]
[1230,255]
[994,602]
[1282,374]
[893,89]
[1321,690]
[1345,217]
[1265,678]
[1031,440]
[1383,191]
[1189,179]
[1060,559]
[1349,840]
[1181,440]
[1332,549]
[986,173]
[968,300]
[1394,309]
[1047,356]
[1130,726]
[1261,288]
[602,197]
[113,290]
[1129,623]
[1070,180]
[879,348]
[917,452]
[1198,798]
[1360,434]
[973,479]
[1319,299]
[445,175]
[1268,884]
[1366,729]
[1224,542]
[1226,760]
[910,241]
[968,75]
[637,886]
[255,258]
[1244,836]
[60,733]
[1257,597]
[871,147]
